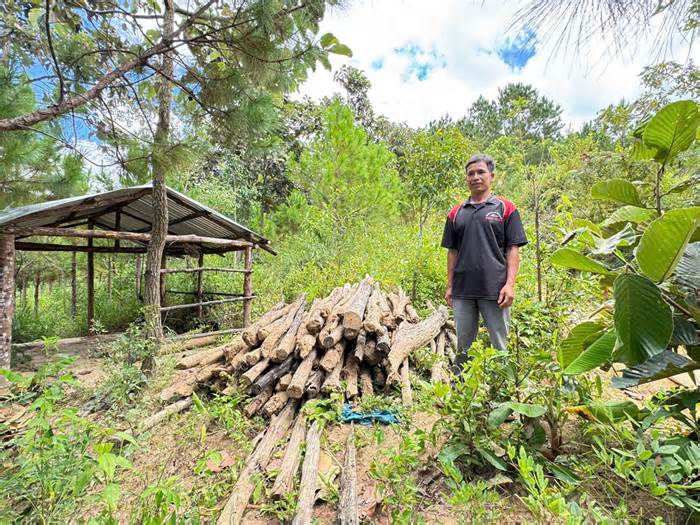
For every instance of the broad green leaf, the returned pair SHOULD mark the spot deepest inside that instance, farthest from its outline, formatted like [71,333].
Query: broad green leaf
[608,411]
[672,130]
[625,237]
[641,151]
[569,258]
[492,458]
[595,355]
[527,409]
[664,241]
[340,49]
[642,319]
[499,414]
[684,332]
[630,214]
[328,40]
[578,339]
[661,366]
[688,270]
[619,190]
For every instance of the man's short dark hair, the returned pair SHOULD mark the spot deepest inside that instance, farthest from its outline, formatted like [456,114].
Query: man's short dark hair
[480,157]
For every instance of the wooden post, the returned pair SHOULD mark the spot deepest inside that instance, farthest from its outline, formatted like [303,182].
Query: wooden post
[200,280]
[7,297]
[138,271]
[163,265]
[90,285]
[74,285]
[248,286]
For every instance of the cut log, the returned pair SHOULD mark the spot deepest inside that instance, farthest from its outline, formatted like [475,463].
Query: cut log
[286,345]
[366,381]
[234,348]
[173,408]
[284,482]
[201,358]
[406,393]
[300,377]
[360,345]
[450,325]
[373,313]
[351,370]
[332,382]
[437,372]
[186,382]
[334,336]
[347,506]
[270,378]
[416,337]
[411,314]
[241,360]
[232,514]
[275,336]
[354,310]
[305,340]
[309,475]
[372,355]
[399,301]
[250,334]
[253,357]
[384,343]
[313,385]
[387,317]
[257,402]
[266,330]
[276,403]
[253,373]
[284,381]
[319,310]
[332,356]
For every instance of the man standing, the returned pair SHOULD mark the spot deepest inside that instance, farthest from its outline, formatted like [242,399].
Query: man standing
[482,236]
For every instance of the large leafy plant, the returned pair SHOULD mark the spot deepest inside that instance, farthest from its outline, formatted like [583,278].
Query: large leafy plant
[650,256]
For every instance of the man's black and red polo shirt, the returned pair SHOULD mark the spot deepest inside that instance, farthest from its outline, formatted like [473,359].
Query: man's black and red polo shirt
[481,233]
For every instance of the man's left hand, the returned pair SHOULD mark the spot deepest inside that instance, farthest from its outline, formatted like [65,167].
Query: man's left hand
[506,296]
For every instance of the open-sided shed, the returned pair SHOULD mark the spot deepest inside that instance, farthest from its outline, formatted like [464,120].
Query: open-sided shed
[124,216]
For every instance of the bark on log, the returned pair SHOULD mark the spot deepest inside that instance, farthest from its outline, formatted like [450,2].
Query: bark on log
[284,381]
[265,331]
[331,358]
[332,382]
[360,345]
[437,372]
[234,348]
[347,506]
[387,317]
[156,418]
[241,360]
[352,367]
[253,373]
[186,383]
[309,475]
[202,358]
[305,340]
[416,337]
[372,354]
[334,336]
[406,393]
[318,312]
[366,381]
[257,402]
[313,385]
[411,314]
[354,310]
[399,302]
[232,514]
[275,404]
[270,378]
[286,345]
[250,334]
[275,337]
[373,314]
[284,482]
[296,387]
[253,357]
[384,343]
[7,300]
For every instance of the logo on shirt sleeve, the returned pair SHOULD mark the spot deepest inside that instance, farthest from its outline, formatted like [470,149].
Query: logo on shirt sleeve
[494,216]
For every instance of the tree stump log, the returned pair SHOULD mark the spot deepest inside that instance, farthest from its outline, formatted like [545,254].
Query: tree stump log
[354,310]
[173,408]
[276,403]
[284,483]
[270,378]
[253,373]
[286,345]
[309,475]
[301,376]
[347,506]
[250,334]
[332,356]
[257,402]
[313,385]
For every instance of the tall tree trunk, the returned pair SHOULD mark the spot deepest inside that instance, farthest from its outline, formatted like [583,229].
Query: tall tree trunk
[37,285]
[138,271]
[151,296]
[7,299]
[74,286]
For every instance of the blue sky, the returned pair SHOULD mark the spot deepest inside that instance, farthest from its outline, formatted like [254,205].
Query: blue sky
[430,59]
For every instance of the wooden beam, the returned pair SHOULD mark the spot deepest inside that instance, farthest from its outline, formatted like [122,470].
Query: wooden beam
[248,286]
[7,298]
[124,236]
[90,285]
[200,284]
[205,303]
[204,269]
[172,251]
[117,225]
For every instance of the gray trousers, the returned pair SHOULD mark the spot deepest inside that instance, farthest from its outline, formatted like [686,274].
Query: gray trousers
[466,312]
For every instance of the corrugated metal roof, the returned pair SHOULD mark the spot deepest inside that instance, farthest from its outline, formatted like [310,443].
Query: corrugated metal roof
[185,215]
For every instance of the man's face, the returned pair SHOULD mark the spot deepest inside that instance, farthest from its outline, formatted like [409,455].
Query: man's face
[479,178]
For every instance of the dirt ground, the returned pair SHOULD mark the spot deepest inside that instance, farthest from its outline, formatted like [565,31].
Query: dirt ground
[178,448]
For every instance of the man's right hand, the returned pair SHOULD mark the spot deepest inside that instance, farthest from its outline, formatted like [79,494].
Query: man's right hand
[448,296]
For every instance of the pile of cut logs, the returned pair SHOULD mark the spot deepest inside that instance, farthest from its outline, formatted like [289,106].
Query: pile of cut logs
[354,341]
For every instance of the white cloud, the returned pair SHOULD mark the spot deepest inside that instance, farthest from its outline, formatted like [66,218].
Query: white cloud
[466,35]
